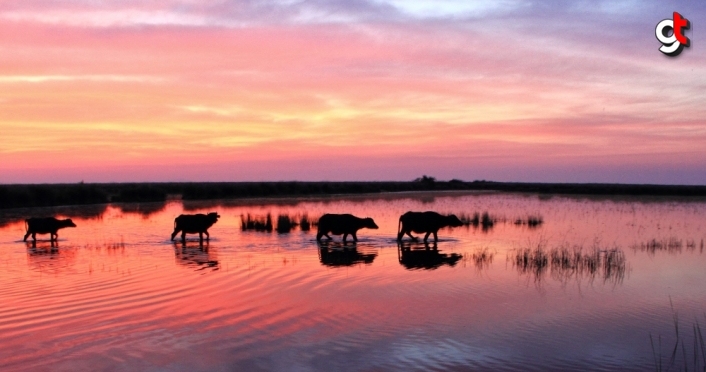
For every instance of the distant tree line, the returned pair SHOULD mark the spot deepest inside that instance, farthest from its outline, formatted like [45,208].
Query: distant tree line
[39,195]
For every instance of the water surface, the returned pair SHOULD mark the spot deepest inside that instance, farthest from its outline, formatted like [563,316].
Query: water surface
[583,290]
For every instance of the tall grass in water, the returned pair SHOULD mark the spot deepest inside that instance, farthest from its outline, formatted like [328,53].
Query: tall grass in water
[285,223]
[257,223]
[669,245]
[481,258]
[485,221]
[570,262]
[530,221]
[697,348]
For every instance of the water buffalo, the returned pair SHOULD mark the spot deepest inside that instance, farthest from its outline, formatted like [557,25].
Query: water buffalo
[345,224]
[48,225]
[194,224]
[425,222]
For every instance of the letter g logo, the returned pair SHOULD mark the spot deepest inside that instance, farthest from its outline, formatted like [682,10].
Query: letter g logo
[673,44]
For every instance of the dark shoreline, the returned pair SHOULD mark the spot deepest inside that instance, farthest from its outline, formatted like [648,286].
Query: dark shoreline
[46,195]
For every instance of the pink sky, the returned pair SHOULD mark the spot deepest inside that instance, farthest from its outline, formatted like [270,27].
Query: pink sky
[183,90]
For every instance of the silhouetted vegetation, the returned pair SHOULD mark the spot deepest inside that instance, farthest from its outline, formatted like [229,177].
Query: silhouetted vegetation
[531,221]
[429,183]
[564,263]
[284,224]
[669,245]
[481,258]
[18,196]
[256,223]
[693,353]
[304,223]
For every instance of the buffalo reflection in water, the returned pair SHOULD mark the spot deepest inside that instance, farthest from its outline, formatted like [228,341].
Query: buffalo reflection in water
[343,254]
[424,256]
[46,257]
[198,256]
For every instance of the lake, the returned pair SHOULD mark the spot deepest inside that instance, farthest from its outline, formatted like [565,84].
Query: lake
[539,283]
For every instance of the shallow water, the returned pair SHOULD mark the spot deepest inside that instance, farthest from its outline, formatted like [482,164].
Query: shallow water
[116,294]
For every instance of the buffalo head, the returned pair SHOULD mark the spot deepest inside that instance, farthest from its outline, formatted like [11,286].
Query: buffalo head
[369,223]
[68,223]
[453,221]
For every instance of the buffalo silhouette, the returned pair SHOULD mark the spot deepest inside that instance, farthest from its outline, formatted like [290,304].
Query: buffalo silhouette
[345,224]
[194,224]
[425,222]
[46,225]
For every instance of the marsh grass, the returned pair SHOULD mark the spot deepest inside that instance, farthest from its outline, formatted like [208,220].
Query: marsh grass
[530,221]
[565,262]
[671,245]
[256,223]
[481,258]
[484,220]
[691,350]
[285,223]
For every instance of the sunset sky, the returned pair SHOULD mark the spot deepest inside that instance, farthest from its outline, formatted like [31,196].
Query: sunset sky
[245,90]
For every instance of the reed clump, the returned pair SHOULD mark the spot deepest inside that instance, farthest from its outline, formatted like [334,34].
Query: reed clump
[531,221]
[484,220]
[256,223]
[285,223]
[482,258]
[571,262]
[670,245]
[683,353]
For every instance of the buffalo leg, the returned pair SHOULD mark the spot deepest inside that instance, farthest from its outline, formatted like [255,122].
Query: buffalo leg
[355,238]
[344,237]
[176,231]
[26,235]
[200,238]
[208,237]
[427,236]
[34,237]
[320,234]
[400,235]
[436,238]
[183,237]
[54,236]
[410,235]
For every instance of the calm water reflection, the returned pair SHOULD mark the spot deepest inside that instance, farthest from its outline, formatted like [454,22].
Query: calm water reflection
[576,284]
